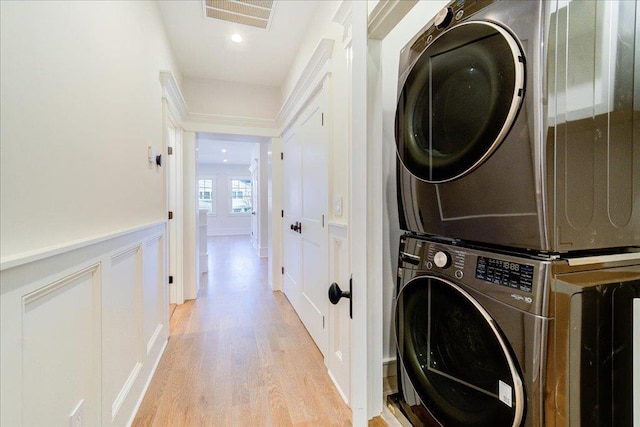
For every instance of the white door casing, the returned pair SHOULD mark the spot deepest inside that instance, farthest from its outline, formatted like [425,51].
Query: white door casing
[255,188]
[338,359]
[175,242]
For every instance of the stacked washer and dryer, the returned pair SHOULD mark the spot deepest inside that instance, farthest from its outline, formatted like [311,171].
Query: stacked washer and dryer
[518,178]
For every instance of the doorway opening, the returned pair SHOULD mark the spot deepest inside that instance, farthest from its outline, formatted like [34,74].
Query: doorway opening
[233,191]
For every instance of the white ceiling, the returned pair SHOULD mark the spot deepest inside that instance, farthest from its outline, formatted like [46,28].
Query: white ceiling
[203,48]
[239,149]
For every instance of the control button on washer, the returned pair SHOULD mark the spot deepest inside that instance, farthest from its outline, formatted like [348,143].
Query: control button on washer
[429,265]
[459,14]
[459,274]
[442,259]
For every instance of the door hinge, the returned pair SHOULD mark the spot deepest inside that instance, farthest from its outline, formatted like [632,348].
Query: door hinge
[170,151]
[282,213]
[281,156]
[170,279]
[322,221]
[322,119]
[170,214]
[282,270]
[322,322]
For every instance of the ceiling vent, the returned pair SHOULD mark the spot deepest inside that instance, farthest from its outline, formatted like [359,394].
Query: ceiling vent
[254,13]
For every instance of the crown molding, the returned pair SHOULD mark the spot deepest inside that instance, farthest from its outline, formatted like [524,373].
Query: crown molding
[198,121]
[343,17]
[173,95]
[319,58]
[232,121]
[386,15]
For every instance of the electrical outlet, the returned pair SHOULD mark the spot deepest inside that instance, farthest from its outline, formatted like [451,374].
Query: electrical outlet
[76,418]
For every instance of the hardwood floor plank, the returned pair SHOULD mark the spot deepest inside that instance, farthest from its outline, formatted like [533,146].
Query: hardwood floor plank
[239,355]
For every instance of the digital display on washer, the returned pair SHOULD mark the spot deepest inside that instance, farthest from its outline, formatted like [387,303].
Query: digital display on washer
[510,274]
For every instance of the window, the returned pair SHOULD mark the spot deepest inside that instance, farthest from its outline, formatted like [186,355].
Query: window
[206,194]
[241,195]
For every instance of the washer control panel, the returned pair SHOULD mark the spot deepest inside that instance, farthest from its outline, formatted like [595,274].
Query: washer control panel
[510,274]
[514,279]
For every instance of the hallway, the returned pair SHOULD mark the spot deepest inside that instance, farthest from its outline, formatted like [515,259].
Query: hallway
[239,355]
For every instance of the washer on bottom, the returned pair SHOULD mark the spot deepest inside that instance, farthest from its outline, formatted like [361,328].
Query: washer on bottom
[497,339]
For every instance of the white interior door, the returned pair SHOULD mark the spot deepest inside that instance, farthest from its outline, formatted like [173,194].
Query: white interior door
[305,171]
[292,208]
[315,182]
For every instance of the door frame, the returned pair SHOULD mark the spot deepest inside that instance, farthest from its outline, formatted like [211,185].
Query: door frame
[175,240]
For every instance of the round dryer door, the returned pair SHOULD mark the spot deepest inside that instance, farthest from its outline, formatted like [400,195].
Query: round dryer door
[457,360]
[459,101]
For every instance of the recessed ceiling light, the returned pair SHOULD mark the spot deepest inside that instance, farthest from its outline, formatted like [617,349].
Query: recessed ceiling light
[236,38]
[224,150]
[225,160]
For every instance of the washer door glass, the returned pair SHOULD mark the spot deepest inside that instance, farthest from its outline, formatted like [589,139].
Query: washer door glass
[457,360]
[459,101]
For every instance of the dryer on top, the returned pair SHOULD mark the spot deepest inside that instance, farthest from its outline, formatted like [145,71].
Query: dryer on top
[518,124]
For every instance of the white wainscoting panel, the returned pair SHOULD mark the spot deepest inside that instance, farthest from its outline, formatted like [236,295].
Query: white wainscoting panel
[61,348]
[87,324]
[121,335]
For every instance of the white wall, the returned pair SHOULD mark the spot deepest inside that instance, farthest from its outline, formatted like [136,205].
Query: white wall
[81,101]
[320,26]
[82,219]
[223,222]
[417,18]
[230,98]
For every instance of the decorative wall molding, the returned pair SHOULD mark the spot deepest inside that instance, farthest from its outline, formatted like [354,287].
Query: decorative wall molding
[154,338]
[124,392]
[173,95]
[386,15]
[40,254]
[59,309]
[52,287]
[126,253]
[319,59]
[193,121]
[343,17]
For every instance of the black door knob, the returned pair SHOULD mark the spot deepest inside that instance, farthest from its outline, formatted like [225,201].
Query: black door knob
[335,293]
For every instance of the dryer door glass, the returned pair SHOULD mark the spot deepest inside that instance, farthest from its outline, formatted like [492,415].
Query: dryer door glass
[459,101]
[456,359]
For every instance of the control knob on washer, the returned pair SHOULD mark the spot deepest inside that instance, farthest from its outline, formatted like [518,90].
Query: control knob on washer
[442,259]
[443,18]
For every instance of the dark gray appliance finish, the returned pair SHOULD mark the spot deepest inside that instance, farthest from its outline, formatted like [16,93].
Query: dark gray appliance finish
[518,125]
[499,339]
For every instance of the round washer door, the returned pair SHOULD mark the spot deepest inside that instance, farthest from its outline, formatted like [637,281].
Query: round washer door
[459,101]
[457,360]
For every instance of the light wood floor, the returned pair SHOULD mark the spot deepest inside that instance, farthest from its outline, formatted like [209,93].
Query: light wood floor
[239,356]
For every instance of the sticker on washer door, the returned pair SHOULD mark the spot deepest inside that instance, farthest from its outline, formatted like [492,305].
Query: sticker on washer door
[504,391]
